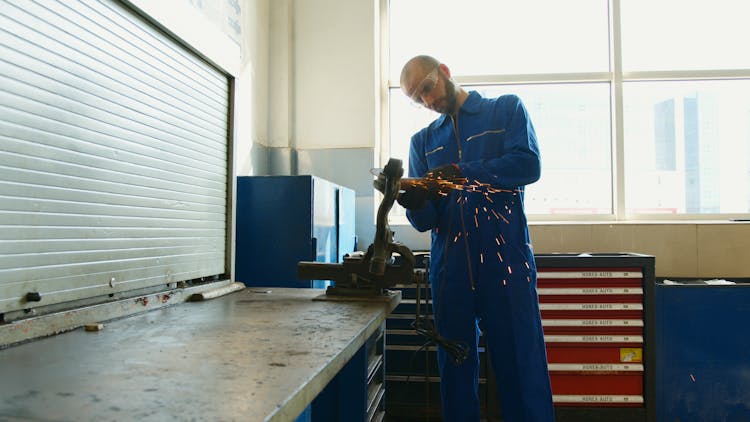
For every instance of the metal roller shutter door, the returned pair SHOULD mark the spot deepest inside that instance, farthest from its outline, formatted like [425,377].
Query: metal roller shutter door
[113,154]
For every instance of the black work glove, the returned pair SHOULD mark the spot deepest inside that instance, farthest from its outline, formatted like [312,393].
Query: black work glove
[413,198]
[446,172]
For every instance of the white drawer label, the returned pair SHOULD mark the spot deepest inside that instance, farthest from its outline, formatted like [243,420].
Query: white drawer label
[630,367]
[597,399]
[589,274]
[592,339]
[592,322]
[590,291]
[590,306]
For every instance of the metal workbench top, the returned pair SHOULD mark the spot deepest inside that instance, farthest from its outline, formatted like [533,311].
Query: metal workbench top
[257,354]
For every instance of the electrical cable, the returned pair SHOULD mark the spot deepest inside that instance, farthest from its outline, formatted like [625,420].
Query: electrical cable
[457,350]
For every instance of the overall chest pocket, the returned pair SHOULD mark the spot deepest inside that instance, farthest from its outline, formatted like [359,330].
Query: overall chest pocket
[438,155]
[486,144]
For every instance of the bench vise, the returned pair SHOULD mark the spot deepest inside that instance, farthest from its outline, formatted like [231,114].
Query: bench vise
[373,272]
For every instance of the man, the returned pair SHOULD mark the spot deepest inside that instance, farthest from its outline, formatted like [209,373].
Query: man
[482,269]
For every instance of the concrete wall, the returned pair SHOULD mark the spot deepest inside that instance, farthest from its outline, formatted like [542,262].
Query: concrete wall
[252,91]
[705,249]
[321,96]
[335,122]
[688,249]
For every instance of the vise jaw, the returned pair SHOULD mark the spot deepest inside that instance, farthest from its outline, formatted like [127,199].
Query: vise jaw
[373,272]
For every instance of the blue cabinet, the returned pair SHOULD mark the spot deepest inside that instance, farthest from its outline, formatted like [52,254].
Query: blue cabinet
[703,338]
[282,220]
[357,392]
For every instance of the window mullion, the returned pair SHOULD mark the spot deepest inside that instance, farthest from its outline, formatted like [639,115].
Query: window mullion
[618,132]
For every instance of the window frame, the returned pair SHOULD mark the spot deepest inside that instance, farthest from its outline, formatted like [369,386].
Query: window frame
[615,77]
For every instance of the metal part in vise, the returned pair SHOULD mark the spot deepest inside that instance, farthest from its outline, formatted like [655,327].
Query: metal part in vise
[371,273]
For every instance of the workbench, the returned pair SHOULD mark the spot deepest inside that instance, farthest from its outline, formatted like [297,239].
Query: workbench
[254,355]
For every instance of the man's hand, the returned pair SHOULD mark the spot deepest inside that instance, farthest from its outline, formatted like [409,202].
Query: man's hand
[446,172]
[413,197]
[416,192]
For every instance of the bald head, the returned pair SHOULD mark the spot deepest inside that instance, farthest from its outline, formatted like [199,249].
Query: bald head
[428,82]
[418,65]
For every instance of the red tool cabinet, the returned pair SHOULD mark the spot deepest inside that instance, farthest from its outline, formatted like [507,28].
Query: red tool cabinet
[599,310]
[596,313]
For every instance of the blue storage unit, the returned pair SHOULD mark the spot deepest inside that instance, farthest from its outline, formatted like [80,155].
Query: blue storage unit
[282,220]
[357,392]
[702,343]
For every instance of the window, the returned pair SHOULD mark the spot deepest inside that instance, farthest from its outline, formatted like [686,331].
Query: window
[642,110]
[491,37]
[689,144]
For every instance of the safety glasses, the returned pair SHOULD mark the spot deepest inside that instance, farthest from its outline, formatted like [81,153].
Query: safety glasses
[424,87]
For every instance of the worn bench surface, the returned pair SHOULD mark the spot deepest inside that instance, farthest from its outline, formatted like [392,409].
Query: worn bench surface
[257,354]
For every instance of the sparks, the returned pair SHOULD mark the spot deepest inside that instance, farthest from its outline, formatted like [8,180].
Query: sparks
[505,283]
[500,256]
[481,258]
[510,271]
[476,223]
[692,377]
[527,265]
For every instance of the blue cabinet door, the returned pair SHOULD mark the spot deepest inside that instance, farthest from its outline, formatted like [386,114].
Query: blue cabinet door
[703,338]
[273,229]
[282,220]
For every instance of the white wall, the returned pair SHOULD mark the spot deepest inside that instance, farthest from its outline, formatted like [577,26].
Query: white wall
[335,74]
[322,78]
[252,89]
[280,62]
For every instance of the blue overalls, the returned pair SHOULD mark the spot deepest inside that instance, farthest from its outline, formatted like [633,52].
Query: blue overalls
[482,269]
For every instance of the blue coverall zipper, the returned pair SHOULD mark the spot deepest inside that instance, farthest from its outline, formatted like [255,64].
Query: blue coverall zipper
[454,120]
